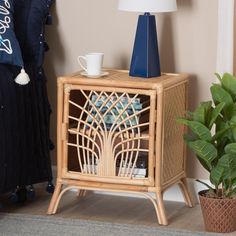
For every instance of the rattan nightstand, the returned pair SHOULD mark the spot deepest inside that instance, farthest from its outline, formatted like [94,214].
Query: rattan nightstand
[120,134]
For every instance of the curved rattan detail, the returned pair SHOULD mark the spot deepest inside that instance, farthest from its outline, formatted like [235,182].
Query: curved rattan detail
[108,132]
[146,195]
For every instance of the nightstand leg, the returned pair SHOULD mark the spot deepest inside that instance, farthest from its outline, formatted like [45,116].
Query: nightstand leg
[185,191]
[52,207]
[161,208]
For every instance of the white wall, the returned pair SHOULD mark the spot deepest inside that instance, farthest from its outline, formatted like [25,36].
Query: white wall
[187,43]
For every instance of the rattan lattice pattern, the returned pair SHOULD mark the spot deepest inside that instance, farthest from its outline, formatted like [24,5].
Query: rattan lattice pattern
[174,106]
[109,133]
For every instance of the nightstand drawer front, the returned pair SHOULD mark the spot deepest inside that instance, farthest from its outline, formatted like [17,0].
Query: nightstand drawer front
[109,134]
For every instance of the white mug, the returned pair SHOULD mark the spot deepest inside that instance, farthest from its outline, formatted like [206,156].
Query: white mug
[93,63]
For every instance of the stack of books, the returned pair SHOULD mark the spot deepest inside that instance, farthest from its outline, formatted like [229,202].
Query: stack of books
[139,171]
[113,112]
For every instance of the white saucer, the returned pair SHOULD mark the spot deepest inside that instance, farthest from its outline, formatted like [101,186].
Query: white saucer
[104,73]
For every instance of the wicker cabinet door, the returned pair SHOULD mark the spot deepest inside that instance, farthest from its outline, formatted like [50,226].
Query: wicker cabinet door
[109,134]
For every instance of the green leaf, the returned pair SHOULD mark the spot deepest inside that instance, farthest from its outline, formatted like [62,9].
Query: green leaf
[221,145]
[233,120]
[221,95]
[206,152]
[198,128]
[231,149]
[207,185]
[224,170]
[223,135]
[225,129]
[232,193]
[229,164]
[215,113]
[229,84]
[202,112]
[188,138]
[234,182]
[204,164]
[199,114]
[233,131]
[218,76]
[216,175]
[220,134]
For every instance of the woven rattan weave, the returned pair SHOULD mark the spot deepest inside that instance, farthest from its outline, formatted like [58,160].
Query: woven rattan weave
[119,134]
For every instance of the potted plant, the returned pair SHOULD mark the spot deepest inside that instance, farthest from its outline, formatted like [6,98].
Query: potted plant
[213,140]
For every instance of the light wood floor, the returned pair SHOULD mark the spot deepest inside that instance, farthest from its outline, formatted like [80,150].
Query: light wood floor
[109,208]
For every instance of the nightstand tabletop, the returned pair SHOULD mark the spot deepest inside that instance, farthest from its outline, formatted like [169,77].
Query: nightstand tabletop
[121,78]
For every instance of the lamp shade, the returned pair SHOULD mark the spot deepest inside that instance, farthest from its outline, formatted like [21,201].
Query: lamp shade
[147,5]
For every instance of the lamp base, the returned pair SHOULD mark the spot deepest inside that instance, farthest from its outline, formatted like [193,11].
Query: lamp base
[145,59]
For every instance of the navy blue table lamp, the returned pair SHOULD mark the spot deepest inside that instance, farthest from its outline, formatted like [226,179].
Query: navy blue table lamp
[145,59]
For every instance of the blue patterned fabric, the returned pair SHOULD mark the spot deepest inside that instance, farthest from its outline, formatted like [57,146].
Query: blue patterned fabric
[29,19]
[10,52]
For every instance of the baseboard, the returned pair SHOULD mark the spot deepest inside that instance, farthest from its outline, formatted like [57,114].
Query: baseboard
[172,194]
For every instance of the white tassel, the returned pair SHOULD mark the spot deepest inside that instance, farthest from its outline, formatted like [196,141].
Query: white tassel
[22,78]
